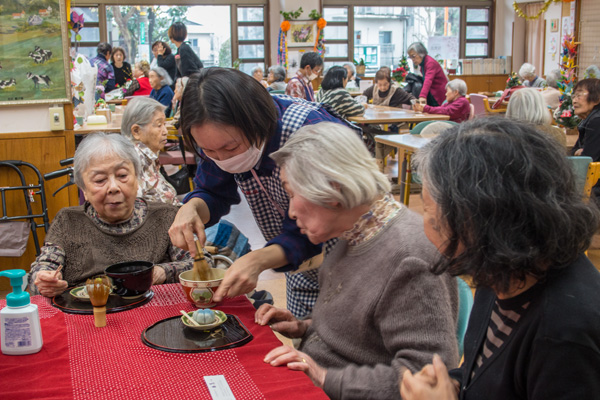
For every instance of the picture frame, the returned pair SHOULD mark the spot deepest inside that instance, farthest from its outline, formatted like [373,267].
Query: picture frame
[34,53]
[554,25]
[302,33]
[294,57]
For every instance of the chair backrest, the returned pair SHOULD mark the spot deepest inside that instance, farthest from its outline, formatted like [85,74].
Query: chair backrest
[477,103]
[277,92]
[418,129]
[580,168]
[472,111]
[465,305]
[591,178]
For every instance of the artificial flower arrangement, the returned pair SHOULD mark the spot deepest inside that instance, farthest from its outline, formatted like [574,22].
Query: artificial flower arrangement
[399,74]
[513,81]
[564,114]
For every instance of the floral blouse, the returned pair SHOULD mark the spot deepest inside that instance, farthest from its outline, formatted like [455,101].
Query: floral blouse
[152,185]
[370,223]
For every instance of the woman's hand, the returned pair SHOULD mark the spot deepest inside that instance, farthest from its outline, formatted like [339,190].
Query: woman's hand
[297,361]
[49,285]
[431,383]
[281,320]
[418,107]
[158,275]
[160,49]
[188,222]
[578,152]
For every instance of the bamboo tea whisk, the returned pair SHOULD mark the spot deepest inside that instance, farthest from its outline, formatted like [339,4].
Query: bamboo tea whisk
[98,289]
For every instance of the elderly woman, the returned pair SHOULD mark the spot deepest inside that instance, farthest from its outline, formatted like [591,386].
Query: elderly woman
[551,94]
[353,80]
[257,73]
[434,78]
[527,105]
[383,93]
[160,82]
[333,92]
[380,309]
[122,69]
[235,136]
[501,205]
[112,226]
[144,124]
[530,79]
[276,78]
[140,86]
[457,106]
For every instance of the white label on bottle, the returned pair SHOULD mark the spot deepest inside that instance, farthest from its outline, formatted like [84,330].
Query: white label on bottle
[18,332]
[218,387]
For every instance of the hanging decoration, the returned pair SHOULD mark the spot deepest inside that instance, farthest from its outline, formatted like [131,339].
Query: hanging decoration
[564,114]
[282,50]
[320,38]
[544,8]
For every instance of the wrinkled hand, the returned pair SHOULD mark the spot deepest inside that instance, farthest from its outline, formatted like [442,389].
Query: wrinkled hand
[48,285]
[297,361]
[418,107]
[241,277]
[187,223]
[158,275]
[578,152]
[280,320]
[431,383]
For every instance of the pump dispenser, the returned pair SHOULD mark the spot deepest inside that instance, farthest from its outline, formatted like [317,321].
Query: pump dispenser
[21,332]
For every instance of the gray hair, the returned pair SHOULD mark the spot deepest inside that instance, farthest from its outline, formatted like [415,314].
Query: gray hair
[351,66]
[526,70]
[322,171]
[165,78]
[435,128]
[458,85]
[253,70]
[418,48]
[278,73]
[553,77]
[99,145]
[140,111]
[528,105]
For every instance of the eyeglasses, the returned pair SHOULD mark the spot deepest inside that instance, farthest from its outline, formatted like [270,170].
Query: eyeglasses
[578,95]
[412,57]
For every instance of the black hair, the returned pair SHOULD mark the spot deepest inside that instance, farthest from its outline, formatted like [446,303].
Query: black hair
[592,85]
[311,58]
[229,97]
[383,74]
[104,48]
[165,46]
[509,202]
[177,32]
[334,78]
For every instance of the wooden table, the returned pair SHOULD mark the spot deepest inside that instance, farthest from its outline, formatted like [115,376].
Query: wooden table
[392,115]
[111,127]
[407,144]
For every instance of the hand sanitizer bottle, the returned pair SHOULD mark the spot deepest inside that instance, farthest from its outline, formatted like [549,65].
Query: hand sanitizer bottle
[21,332]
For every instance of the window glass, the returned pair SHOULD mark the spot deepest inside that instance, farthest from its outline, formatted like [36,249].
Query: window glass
[251,33]
[252,51]
[336,32]
[89,52]
[476,49]
[90,14]
[332,14]
[88,34]
[250,14]
[209,30]
[477,32]
[477,14]
[336,50]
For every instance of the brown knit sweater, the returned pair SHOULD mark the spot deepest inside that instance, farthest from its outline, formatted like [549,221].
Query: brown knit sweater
[89,248]
[380,309]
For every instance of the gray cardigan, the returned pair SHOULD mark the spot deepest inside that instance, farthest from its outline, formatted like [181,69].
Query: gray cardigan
[381,309]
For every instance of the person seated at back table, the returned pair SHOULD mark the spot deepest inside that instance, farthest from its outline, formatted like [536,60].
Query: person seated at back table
[121,68]
[140,86]
[527,105]
[333,92]
[161,90]
[502,206]
[551,94]
[353,80]
[457,106]
[383,93]
[112,226]
[530,79]
[258,74]
[276,78]
[311,65]
[379,310]
[106,72]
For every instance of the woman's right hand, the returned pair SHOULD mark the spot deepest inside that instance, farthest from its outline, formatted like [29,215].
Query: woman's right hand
[49,285]
[281,320]
[187,223]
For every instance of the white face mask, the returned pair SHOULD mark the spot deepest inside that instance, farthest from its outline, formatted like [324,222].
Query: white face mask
[312,77]
[242,162]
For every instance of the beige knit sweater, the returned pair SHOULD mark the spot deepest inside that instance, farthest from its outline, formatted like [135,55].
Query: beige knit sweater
[381,309]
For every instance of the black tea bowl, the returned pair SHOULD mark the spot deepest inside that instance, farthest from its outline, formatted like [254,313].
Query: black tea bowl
[130,278]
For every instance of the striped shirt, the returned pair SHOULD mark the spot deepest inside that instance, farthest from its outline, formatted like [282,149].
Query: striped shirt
[341,101]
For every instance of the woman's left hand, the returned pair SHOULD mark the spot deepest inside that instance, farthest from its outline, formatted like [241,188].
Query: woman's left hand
[431,383]
[418,107]
[297,361]
[158,275]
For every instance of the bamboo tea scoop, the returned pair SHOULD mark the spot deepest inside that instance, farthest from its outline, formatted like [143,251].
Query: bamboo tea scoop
[98,289]
[201,268]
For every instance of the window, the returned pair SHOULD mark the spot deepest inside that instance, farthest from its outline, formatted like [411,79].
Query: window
[385,37]
[251,38]
[90,34]
[477,38]
[336,36]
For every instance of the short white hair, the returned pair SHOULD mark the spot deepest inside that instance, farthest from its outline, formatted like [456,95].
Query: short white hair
[139,111]
[329,163]
[526,70]
[97,146]
[165,78]
[528,105]
[552,78]
[351,67]
[257,68]
[418,48]
[458,85]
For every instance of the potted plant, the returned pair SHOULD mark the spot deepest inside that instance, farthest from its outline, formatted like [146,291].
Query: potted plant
[360,66]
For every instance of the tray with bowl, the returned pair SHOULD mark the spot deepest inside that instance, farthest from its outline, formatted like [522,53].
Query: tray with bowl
[80,293]
[220,318]
[71,304]
[174,336]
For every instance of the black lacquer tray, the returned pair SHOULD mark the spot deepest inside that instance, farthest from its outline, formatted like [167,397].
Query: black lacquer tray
[69,304]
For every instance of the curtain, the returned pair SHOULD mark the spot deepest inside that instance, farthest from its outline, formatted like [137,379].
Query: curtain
[534,38]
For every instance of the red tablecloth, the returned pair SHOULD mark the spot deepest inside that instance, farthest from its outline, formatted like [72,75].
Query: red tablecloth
[79,361]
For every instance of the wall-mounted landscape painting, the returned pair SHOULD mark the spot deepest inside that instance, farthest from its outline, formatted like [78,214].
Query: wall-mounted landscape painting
[33,45]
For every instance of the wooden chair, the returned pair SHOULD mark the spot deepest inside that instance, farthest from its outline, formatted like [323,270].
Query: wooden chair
[489,110]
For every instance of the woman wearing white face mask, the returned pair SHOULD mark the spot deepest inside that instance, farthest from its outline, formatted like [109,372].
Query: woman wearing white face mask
[234,125]
[311,65]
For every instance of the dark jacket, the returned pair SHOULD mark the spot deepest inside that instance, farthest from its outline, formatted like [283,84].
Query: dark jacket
[189,63]
[168,63]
